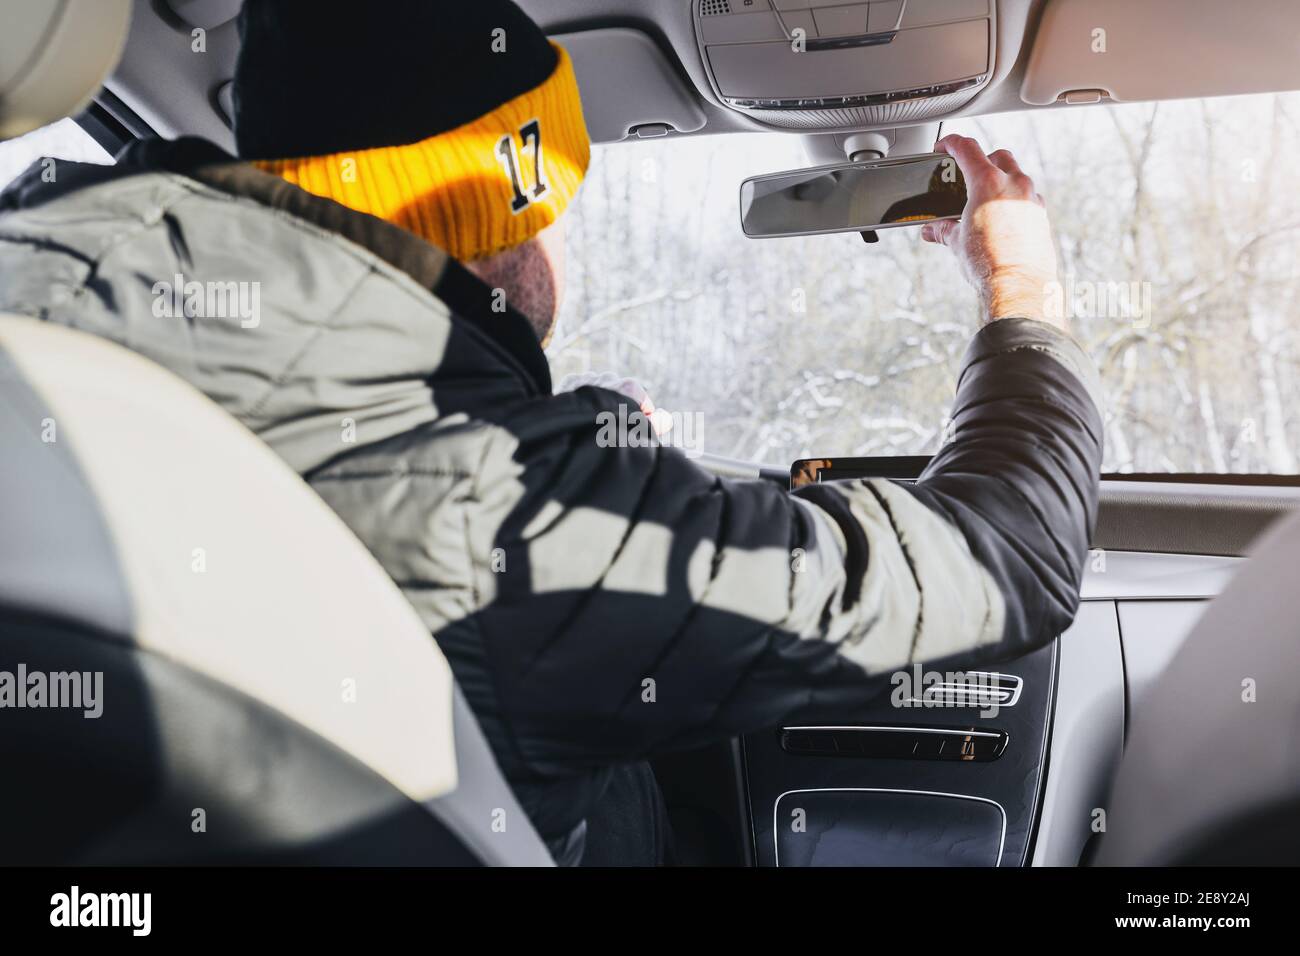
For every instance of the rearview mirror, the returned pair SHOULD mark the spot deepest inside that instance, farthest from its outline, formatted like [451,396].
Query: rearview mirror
[852,197]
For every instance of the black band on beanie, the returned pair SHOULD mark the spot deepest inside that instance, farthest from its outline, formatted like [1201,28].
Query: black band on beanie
[314,78]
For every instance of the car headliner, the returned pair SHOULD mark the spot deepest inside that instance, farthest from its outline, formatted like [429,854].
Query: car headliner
[176,90]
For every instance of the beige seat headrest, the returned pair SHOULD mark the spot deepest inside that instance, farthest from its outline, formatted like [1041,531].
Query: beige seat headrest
[284,604]
[54,56]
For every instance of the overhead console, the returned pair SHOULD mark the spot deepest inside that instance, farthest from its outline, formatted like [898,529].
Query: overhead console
[835,64]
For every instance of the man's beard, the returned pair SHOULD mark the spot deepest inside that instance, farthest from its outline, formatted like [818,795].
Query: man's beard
[525,275]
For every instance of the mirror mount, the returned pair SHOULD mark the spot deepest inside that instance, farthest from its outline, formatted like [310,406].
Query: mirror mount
[861,147]
[825,149]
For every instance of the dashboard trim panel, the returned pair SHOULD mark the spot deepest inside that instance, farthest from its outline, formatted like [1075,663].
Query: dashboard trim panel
[776,807]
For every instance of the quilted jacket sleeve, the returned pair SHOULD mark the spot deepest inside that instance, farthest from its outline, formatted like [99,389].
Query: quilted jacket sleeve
[650,605]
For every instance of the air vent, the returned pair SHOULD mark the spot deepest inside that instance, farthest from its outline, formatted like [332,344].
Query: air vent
[712,8]
[974,689]
[906,743]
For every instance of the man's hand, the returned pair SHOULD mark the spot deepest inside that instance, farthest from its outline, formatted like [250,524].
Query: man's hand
[661,419]
[1003,240]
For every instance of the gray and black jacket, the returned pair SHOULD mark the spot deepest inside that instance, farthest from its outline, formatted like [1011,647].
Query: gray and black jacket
[559,576]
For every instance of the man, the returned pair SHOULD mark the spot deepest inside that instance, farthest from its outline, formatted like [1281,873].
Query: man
[598,605]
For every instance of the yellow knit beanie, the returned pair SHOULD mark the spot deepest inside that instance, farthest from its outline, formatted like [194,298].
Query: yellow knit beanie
[474,190]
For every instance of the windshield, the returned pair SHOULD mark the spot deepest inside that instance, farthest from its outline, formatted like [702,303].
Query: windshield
[1178,236]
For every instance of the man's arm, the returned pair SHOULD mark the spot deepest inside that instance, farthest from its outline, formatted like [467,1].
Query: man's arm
[1019,478]
[659,606]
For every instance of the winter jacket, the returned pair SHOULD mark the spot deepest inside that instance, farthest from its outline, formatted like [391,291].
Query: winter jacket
[597,604]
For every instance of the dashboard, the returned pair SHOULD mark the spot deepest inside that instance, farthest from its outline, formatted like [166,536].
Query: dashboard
[1040,798]
[1007,766]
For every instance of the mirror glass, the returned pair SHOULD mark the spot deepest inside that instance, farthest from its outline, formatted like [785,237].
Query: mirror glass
[852,196]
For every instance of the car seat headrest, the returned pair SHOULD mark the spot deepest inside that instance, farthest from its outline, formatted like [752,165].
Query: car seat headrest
[54,56]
